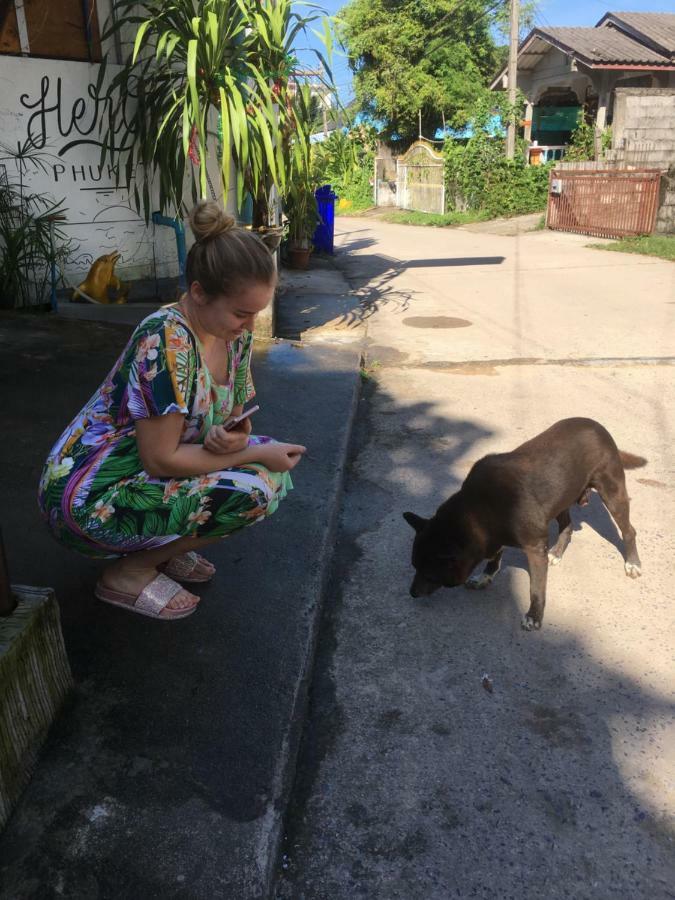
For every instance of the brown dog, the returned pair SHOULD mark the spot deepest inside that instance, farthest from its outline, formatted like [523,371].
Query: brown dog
[508,500]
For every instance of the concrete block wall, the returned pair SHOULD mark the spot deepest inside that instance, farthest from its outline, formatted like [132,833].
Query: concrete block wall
[643,136]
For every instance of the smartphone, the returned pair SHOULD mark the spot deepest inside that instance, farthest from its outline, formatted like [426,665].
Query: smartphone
[235,420]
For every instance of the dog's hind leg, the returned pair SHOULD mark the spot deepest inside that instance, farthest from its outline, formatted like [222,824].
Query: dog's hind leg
[486,577]
[564,521]
[537,560]
[611,485]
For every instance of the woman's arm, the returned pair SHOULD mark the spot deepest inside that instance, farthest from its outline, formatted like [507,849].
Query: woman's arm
[163,456]
[220,440]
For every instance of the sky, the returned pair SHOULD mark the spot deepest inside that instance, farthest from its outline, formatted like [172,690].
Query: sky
[550,13]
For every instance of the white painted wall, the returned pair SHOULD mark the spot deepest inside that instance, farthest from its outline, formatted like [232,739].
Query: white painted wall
[553,70]
[53,102]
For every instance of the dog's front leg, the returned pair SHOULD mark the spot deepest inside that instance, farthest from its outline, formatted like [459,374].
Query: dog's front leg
[478,582]
[537,560]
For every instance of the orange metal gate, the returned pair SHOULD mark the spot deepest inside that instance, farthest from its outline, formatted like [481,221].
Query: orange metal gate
[606,203]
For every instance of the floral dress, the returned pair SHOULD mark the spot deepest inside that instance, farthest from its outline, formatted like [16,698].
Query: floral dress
[94,493]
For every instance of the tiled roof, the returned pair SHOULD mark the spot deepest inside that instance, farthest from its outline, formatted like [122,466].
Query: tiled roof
[658,29]
[619,39]
[603,46]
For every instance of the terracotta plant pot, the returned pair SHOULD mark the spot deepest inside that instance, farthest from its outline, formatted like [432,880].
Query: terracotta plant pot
[300,257]
[270,236]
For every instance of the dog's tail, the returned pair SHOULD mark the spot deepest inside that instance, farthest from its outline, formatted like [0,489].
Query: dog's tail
[631,461]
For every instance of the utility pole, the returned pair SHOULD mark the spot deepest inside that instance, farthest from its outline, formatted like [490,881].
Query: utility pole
[419,120]
[512,78]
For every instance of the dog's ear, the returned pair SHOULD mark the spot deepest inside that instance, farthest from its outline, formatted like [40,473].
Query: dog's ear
[415,521]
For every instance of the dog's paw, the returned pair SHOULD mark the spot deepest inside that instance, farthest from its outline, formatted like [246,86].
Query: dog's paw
[530,624]
[478,582]
[632,570]
[553,560]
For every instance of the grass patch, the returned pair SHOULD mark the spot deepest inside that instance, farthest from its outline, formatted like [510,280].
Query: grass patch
[661,245]
[368,370]
[412,217]
[352,211]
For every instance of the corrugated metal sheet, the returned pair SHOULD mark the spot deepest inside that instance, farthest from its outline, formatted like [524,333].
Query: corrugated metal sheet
[630,39]
[657,28]
[607,46]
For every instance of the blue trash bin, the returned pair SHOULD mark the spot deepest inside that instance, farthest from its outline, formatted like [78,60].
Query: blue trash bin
[324,236]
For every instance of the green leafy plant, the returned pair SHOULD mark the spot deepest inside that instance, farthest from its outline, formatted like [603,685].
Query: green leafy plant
[434,57]
[345,161]
[209,78]
[479,177]
[275,27]
[300,203]
[582,142]
[31,240]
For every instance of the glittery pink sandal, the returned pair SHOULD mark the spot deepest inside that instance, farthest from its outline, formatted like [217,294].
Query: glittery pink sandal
[183,566]
[152,601]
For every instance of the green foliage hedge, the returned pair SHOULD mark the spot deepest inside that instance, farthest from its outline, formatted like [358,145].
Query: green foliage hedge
[480,178]
[345,161]
[478,175]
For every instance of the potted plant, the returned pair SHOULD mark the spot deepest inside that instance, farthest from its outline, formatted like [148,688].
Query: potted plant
[277,26]
[299,201]
[303,217]
[208,79]
[34,246]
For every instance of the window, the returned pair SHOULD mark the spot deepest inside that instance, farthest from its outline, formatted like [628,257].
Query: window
[67,29]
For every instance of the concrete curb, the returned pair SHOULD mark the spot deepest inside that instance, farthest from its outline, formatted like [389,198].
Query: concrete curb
[288,766]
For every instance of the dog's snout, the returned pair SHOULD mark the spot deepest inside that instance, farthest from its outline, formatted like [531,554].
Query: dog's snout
[421,587]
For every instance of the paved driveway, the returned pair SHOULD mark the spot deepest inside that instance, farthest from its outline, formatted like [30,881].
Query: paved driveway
[417,783]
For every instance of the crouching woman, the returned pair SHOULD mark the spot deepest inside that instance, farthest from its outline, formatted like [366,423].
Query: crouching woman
[146,474]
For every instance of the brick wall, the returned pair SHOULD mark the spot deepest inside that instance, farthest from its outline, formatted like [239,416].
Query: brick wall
[643,136]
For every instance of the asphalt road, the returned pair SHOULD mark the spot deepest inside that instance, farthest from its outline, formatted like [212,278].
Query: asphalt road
[417,782]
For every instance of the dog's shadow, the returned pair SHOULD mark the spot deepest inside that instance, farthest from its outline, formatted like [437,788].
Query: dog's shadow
[596,515]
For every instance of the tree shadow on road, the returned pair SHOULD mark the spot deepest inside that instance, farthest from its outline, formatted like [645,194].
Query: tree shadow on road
[415,780]
[373,281]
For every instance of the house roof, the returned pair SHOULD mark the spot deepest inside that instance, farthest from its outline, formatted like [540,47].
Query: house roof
[630,40]
[654,29]
[604,45]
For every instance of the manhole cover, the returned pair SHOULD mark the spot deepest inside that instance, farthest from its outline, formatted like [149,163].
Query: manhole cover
[436,322]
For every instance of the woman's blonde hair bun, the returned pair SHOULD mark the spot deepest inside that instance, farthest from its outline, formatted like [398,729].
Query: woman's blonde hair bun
[225,258]
[208,220]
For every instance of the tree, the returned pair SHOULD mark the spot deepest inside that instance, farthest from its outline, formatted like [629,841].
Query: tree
[407,55]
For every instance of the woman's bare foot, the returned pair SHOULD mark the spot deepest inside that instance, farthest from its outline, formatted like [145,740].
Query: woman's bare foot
[204,568]
[190,567]
[128,578]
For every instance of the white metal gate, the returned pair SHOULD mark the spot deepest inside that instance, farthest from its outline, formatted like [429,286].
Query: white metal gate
[385,182]
[420,179]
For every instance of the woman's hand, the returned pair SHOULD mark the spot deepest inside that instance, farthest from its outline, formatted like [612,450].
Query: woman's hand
[220,441]
[279,457]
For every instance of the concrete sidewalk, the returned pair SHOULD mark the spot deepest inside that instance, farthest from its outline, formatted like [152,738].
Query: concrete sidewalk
[169,772]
